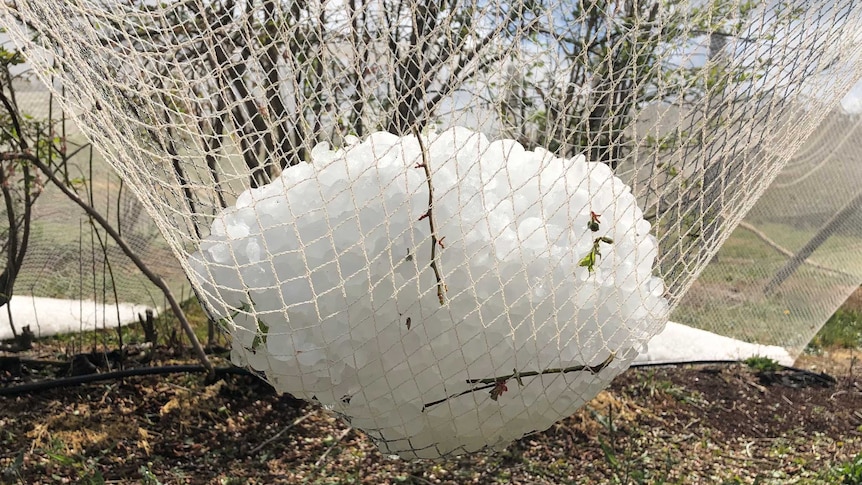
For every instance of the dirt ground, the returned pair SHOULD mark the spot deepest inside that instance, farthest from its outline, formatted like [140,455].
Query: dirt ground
[715,424]
[706,424]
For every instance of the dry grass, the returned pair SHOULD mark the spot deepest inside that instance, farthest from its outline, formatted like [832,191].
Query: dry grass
[685,425]
[661,425]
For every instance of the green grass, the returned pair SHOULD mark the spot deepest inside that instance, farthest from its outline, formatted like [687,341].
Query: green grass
[849,473]
[843,329]
[728,296]
[762,364]
[744,258]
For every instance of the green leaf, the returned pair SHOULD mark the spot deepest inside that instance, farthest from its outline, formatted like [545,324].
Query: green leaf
[95,479]
[62,459]
[610,455]
[588,261]
[263,330]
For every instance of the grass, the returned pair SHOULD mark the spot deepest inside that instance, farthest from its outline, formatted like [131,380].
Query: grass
[728,297]
[166,325]
[842,330]
[68,263]
[762,364]
[850,472]
[625,465]
[65,258]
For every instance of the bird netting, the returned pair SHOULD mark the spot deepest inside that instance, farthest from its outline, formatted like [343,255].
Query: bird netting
[72,276]
[452,223]
[797,255]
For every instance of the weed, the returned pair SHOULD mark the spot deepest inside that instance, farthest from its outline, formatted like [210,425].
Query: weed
[843,329]
[232,481]
[85,470]
[13,471]
[653,386]
[147,477]
[626,468]
[762,364]
[849,473]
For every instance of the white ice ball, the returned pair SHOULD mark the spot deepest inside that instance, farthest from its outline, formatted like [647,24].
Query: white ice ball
[326,278]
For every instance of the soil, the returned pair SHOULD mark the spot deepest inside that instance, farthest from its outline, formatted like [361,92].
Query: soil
[708,424]
[687,424]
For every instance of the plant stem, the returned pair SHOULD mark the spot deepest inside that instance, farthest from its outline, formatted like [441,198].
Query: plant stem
[490,383]
[124,246]
[435,264]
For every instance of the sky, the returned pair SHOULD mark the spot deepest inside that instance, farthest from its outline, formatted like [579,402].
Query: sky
[852,101]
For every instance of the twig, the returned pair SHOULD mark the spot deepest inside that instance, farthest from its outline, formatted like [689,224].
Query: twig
[334,443]
[497,384]
[125,247]
[286,429]
[435,264]
[746,458]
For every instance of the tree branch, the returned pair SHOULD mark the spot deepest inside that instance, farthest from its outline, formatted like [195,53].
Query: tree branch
[498,384]
[124,246]
[438,273]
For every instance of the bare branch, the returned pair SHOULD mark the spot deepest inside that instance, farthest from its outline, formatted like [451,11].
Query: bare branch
[124,246]
[497,384]
[435,263]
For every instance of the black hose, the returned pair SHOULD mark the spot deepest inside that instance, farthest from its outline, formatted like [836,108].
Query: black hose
[688,362]
[818,376]
[33,387]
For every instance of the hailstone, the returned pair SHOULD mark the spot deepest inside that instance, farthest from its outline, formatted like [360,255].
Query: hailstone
[443,294]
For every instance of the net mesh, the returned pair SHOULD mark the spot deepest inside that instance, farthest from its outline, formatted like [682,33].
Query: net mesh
[328,176]
[796,257]
[68,259]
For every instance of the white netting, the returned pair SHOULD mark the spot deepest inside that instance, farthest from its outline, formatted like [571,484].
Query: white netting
[374,332]
[442,291]
[68,259]
[798,254]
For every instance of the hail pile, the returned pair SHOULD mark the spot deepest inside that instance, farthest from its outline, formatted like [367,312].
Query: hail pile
[537,292]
